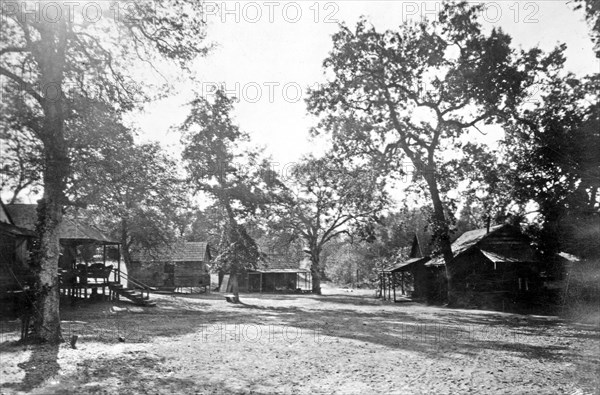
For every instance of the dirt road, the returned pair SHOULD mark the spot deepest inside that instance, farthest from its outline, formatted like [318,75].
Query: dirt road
[340,343]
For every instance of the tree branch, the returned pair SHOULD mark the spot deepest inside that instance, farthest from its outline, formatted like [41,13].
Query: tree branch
[28,87]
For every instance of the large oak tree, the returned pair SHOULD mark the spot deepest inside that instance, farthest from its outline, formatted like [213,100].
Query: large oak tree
[51,53]
[415,91]
[324,199]
[221,164]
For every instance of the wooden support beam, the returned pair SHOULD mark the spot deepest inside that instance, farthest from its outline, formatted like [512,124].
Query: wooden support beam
[118,263]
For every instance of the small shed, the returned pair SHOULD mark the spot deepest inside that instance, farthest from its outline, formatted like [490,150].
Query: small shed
[182,265]
[280,274]
[493,267]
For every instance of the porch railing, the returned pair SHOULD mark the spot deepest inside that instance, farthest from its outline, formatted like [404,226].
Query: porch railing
[136,283]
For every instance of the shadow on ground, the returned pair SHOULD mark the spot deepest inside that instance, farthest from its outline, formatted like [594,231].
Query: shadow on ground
[42,365]
[432,331]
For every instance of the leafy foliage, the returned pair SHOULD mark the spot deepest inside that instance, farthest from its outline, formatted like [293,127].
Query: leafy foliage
[592,12]
[240,183]
[54,63]
[136,193]
[325,199]
[553,149]
[415,91]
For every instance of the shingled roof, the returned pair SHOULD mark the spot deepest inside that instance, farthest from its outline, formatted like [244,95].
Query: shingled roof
[13,230]
[183,251]
[279,263]
[8,227]
[475,239]
[472,237]
[406,265]
[71,229]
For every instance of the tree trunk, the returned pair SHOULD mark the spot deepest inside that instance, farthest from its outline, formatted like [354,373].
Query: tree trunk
[235,289]
[46,320]
[315,273]
[441,231]
[50,213]
[51,60]
[125,243]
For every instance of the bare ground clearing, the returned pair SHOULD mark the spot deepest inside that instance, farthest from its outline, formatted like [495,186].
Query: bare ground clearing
[340,343]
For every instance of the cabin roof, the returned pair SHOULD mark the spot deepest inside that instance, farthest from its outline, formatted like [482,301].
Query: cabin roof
[13,230]
[499,258]
[406,265]
[474,238]
[297,270]
[183,251]
[71,229]
[8,227]
[568,257]
[4,215]
[280,263]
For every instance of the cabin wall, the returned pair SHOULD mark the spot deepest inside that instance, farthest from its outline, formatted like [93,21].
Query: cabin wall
[420,283]
[7,260]
[436,284]
[170,274]
[189,274]
[478,282]
[13,263]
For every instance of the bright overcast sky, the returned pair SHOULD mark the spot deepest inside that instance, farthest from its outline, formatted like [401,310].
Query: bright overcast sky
[264,47]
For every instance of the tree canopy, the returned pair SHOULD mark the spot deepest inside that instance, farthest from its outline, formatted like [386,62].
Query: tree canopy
[59,60]
[415,91]
[326,198]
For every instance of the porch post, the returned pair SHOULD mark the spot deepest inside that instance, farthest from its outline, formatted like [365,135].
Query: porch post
[119,263]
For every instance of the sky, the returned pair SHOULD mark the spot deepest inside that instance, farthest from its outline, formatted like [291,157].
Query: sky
[268,53]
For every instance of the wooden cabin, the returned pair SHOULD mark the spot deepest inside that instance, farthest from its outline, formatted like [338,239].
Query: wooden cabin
[183,265]
[408,277]
[494,268]
[277,274]
[280,274]
[83,266]
[16,277]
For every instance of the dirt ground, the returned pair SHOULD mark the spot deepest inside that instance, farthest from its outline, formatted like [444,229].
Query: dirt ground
[344,342]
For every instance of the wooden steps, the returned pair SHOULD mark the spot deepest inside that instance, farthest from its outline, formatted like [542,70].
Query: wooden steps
[134,295]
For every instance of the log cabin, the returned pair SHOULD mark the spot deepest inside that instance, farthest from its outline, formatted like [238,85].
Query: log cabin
[496,268]
[182,265]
